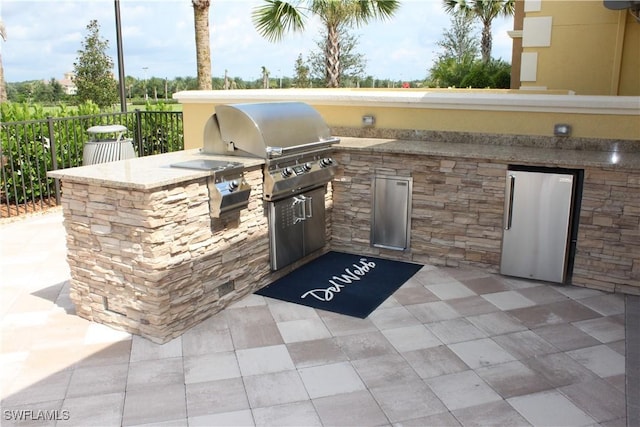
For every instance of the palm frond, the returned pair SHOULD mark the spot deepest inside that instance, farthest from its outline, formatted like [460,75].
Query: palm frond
[275,18]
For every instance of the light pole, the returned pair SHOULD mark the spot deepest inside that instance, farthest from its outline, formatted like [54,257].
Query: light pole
[123,97]
[145,83]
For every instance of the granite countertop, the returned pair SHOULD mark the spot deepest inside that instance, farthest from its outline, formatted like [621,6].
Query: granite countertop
[505,153]
[146,173]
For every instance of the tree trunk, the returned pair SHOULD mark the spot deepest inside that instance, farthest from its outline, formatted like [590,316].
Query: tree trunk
[486,42]
[332,56]
[203,51]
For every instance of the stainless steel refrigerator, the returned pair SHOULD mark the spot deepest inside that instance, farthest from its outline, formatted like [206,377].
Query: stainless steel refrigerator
[540,223]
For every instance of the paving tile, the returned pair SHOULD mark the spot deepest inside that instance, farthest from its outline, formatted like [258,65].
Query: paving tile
[260,389]
[456,330]
[450,290]
[303,330]
[497,323]
[253,326]
[328,380]
[361,346]
[412,399]
[316,352]
[549,408]
[235,418]
[490,414]
[210,336]
[444,419]
[264,360]
[597,398]
[89,381]
[471,306]
[157,373]
[340,324]
[21,415]
[543,294]
[154,404]
[486,285]
[462,390]
[287,415]
[536,316]
[411,338]
[566,336]
[49,388]
[508,300]
[111,354]
[481,352]
[606,305]
[390,318]
[94,410]
[559,369]
[577,292]
[210,367]
[357,408]
[216,397]
[407,295]
[600,359]
[513,379]
[143,349]
[524,344]
[433,311]
[384,370]
[434,276]
[572,311]
[99,334]
[283,311]
[435,361]
[604,329]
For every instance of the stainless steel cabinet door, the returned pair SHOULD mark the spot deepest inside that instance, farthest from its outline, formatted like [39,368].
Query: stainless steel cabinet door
[391,214]
[315,234]
[296,227]
[536,229]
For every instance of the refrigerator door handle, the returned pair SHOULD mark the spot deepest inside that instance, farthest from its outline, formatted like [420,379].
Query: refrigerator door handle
[508,201]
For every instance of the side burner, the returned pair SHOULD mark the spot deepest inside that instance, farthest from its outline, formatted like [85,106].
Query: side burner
[228,190]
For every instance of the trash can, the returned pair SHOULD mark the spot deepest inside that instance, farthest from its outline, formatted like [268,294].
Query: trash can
[107,144]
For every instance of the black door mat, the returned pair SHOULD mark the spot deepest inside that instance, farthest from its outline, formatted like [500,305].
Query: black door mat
[343,283]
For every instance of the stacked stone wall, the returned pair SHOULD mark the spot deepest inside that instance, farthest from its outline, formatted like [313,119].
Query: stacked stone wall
[457,215]
[456,210]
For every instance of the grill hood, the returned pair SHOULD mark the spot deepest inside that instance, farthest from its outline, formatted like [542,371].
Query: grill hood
[266,130]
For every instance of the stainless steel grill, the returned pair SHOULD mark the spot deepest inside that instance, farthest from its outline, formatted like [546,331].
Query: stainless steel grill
[295,143]
[292,137]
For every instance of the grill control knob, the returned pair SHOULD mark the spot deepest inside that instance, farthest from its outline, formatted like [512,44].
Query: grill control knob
[327,161]
[287,172]
[306,167]
[233,185]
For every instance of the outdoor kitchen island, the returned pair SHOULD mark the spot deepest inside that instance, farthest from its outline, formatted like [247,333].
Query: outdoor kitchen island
[146,256]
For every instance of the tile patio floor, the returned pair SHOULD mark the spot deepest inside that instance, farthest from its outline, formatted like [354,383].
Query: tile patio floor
[450,347]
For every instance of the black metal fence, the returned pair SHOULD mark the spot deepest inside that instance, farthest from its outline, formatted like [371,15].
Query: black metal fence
[29,149]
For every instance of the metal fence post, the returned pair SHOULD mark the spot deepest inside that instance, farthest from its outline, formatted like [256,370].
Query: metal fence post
[139,132]
[54,155]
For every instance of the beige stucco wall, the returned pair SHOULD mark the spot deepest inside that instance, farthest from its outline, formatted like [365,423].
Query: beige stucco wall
[592,51]
[483,112]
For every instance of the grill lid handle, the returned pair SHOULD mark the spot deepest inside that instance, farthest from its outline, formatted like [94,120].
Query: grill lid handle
[279,151]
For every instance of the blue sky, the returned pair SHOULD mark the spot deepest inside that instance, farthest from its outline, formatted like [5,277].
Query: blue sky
[43,38]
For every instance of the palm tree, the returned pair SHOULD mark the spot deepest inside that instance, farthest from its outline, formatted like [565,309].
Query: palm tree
[276,17]
[3,90]
[203,51]
[265,77]
[486,11]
